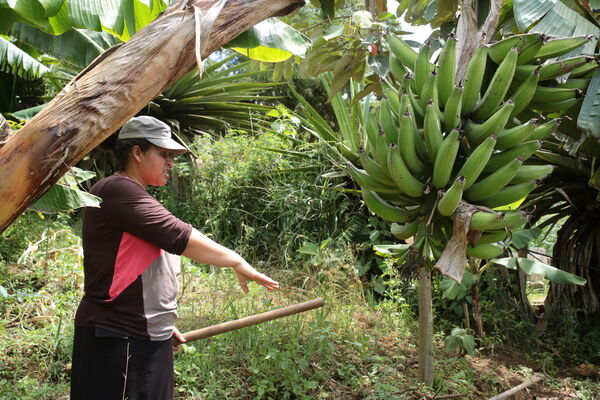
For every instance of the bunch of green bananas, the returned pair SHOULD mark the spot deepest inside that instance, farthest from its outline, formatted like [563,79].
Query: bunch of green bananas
[435,142]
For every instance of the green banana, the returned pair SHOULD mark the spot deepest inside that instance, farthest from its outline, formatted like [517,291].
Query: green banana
[385,210]
[530,48]
[487,221]
[392,97]
[560,46]
[529,173]
[414,102]
[557,106]
[423,67]
[512,137]
[444,162]
[499,50]
[524,150]
[420,147]
[554,69]
[406,143]
[381,150]
[404,103]
[498,86]
[476,133]
[492,237]
[364,179]
[453,107]
[510,194]
[473,79]
[451,198]
[432,131]
[372,130]
[404,231]
[429,91]
[396,67]
[446,69]
[478,159]
[544,130]
[514,219]
[584,70]
[373,169]
[576,83]
[522,96]
[388,123]
[554,94]
[401,176]
[485,251]
[403,52]
[494,182]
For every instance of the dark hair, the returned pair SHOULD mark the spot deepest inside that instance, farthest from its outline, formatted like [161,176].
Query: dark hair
[123,149]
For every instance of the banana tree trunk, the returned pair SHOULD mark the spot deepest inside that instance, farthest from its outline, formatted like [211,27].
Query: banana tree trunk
[425,368]
[469,35]
[97,102]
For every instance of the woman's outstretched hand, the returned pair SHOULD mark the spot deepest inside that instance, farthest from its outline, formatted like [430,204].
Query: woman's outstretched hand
[245,273]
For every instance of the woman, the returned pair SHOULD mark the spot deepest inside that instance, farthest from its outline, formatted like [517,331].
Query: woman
[125,323]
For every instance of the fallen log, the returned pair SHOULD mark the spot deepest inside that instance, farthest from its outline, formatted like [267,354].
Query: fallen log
[518,388]
[252,320]
[97,102]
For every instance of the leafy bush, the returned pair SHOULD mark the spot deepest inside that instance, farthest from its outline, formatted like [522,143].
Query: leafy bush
[264,197]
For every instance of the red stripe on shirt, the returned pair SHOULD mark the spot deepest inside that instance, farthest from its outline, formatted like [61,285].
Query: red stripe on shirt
[133,257]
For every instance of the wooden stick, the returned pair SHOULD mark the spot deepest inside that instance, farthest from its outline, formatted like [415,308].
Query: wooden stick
[518,388]
[252,320]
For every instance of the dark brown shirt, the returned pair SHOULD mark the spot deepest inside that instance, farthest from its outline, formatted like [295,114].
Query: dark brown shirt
[130,247]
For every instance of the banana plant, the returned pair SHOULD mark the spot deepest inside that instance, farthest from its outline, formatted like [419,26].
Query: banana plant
[226,96]
[446,163]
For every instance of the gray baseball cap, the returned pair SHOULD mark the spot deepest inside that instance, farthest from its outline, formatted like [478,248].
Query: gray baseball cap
[153,130]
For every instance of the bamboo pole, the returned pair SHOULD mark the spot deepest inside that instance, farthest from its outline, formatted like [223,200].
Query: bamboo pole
[252,320]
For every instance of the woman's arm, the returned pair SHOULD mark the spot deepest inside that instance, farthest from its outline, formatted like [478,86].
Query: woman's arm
[202,249]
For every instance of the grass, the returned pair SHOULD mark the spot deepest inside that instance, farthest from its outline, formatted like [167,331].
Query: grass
[353,348]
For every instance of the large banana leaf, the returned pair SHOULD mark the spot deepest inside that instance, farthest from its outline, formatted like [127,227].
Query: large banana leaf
[536,267]
[271,41]
[529,11]
[64,198]
[51,16]
[65,195]
[121,18]
[589,118]
[16,61]
[555,18]
[77,47]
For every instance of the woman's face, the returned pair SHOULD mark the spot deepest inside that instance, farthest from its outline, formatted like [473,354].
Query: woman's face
[155,165]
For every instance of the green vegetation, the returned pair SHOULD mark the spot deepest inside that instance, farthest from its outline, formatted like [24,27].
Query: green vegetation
[362,344]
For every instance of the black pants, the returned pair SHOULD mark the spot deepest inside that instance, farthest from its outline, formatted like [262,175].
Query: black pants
[110,367]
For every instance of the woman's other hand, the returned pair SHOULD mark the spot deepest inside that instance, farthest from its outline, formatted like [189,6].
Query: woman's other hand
[177,339]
